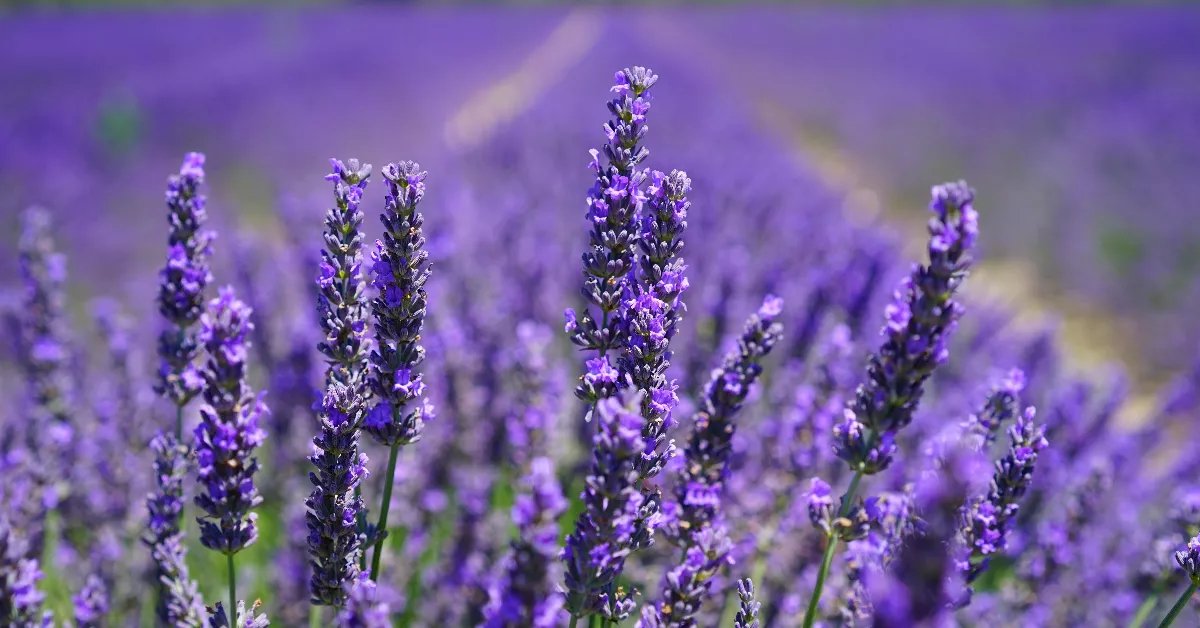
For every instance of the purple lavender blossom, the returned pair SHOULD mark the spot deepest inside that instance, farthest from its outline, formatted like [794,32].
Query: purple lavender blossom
[179,603]
[710,444]
[654,315]
[606,531]
[20,599]
[987,519]
[333,508]
[363,608]
[340,306]
[1189,559]
[1003,404]
[229,430]
[182,283]
[400,267]
[919,324]
[614,202]
[747,615]
[530,423]
[525,597]
[246,617]
[91,604]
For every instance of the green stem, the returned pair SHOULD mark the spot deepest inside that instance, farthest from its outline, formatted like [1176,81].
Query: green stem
[574,622]
[383,510]
[1180,604]
[810,615]
[232,614]
[361,522]
[314,616]
[1144,610]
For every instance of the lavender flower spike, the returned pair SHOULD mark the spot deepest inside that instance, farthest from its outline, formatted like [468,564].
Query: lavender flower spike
[229,430]
[91,605]
[526,598]
[920,322]
[747,615]
[687,585]
[1189,560]
[182,283]
[20,600]
[401,268]
[363,608]
[340,306]
[333,537]
[606,532]
[654,315]
[613,206]
[179,602]
[987,519]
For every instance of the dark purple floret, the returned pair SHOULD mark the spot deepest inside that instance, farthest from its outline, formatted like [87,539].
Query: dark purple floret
[747,615]
[91,604]
[1189,559]
[229,430]
[987,520]
[20,599]
[246,617]
[182,282]
[919,323]
[179,603]
[363,607]
[333,536]
[614,202]
[400,268]
[340,302]
[526,595]
[607,530]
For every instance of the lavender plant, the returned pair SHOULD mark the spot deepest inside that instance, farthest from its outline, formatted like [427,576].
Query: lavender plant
[401,270]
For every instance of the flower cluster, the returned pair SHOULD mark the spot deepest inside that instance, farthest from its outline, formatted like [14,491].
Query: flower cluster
[340,307]
[229,430]
[401,269]
[178,601]
[182,282]
[363,608]
[20,600]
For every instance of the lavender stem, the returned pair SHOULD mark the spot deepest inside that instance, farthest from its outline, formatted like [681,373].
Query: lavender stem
[314,616]
[1144,610]
[383,509]
[811,614]
[232,585]
[1180,604]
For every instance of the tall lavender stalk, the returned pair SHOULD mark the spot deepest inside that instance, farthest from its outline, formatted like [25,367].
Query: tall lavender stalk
[182,283]
[613,205]
[401,268]
[919,324]
[333,537]
[695,522]
[228,434]
[179,602]
[20,599]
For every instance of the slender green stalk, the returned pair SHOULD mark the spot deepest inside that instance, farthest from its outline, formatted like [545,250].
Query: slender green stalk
[232,614]
[1180,604]
[810,615]
[314,616]
[574,622]
[361,519]
[383,510]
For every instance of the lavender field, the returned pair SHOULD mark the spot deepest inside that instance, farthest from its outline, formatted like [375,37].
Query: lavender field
[467,373]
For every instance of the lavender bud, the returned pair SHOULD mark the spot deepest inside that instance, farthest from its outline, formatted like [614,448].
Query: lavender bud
[1189,559]
[400,267]
[229,430]
[1003,404]
[20,600]
[919,323]
[179,602]
[333,538]
[686,586]
[747,615]
[182,282]
[363,608]
[340,306]
[91,605]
